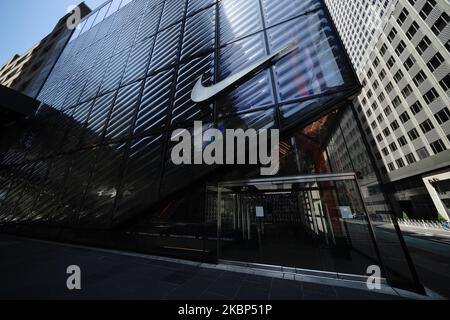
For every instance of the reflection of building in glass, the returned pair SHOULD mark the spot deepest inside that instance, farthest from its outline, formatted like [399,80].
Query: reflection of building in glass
[27,72]
[405,101]
[94,164]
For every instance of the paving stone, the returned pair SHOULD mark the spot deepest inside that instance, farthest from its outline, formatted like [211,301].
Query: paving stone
[37,270]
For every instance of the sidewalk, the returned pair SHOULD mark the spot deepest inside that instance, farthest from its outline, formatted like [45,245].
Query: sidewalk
[37,270]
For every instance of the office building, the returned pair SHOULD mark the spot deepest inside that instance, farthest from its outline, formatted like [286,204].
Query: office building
[404,105]
[26,73]
[360,23]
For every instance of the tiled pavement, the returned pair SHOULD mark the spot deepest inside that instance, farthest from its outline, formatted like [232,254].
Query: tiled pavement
[37,270]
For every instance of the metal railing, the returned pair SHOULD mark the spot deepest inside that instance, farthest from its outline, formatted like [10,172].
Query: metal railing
[426,224]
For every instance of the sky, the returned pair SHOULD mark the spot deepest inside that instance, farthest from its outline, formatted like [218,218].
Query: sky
[24,22]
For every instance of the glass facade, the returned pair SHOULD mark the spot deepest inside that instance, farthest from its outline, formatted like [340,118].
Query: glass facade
[97,154]
[123,84]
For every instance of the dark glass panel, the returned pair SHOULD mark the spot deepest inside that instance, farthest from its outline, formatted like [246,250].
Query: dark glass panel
[196,5]
[5,186]
[76,126]
[140,186]
[154,107]
[10,210]
[313,67]
[150,20]
[238,18]
[127,35]
[199,33]
[138,61]
[185,111]
[254,120]
[254,93]
[68,197]
[305,111]
[97,119]
[94,82]
[123,113]
[166,49]
[77,83]
[98,205]
[177,177]
[174,10]
[115,71]
[282,10]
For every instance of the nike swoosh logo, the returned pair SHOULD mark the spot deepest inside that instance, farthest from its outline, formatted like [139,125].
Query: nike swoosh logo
[201,93]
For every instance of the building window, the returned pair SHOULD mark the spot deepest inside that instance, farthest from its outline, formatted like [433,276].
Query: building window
[383,49]
[373,124]
[391,62]
[445,82]
[394,125]
[393,146]
[396,102]
[392,34]
[400,48]
[402,17]
[381,97]
[423,45]
[391,166]
[374,106]
[379,137]
[427,8]
[382,74]
[413,134]
[380,119]
[398,76]
[402,141]
[375,84]
[410,158]
[441,23]
[423,153]
[443,115]
[385,151]
[412,30]
[376,62]
[404,117]
[426,126]
[419,78]
[409,63]
[400,163]
[386,132]
[430,96]
[407,91]
[370,73]
[438,146]
[389,87]
[416,107]
[435,62]
[387,111]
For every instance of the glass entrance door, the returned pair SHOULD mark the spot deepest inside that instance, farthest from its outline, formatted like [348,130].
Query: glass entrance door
[310,222]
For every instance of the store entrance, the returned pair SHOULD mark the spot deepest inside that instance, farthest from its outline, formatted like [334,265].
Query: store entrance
[310,222]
